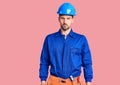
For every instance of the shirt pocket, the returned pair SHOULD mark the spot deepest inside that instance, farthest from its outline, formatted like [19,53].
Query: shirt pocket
[76,51]
[76,56]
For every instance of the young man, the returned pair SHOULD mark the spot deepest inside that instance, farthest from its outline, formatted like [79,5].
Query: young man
[65,52]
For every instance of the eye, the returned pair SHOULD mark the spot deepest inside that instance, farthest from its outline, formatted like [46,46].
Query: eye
[62,18]
[68,18]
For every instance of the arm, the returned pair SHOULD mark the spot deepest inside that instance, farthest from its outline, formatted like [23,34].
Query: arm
[87,62]
[44,63]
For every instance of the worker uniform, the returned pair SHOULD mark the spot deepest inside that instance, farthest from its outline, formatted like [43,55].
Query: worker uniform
[66,56]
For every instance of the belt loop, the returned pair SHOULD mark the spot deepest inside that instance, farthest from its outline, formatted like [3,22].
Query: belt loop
[63,81]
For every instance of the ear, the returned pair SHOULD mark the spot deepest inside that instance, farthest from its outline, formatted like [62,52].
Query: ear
[58,18]
[72,20]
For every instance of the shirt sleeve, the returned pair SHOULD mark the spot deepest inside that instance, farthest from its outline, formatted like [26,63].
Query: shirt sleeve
[87,61]
[44,61]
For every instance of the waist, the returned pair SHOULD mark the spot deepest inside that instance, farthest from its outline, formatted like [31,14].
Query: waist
[65,76]
[58,79]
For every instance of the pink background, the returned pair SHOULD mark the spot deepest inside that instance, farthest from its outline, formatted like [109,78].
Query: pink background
[25,23]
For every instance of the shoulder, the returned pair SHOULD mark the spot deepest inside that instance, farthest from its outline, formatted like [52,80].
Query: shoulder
[78,35]
[52,35]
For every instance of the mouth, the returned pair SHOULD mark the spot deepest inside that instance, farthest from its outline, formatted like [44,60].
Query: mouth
[64,24]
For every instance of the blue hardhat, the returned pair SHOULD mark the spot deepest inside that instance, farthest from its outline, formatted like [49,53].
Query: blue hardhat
[66,9]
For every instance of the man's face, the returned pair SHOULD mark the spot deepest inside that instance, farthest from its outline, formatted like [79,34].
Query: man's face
[65,22]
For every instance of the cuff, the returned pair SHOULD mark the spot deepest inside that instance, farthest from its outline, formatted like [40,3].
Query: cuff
[88,80]
[43,78]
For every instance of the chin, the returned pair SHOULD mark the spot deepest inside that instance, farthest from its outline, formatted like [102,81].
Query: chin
[65,29]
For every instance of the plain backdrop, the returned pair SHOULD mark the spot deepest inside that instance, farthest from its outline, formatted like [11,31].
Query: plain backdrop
[25,23]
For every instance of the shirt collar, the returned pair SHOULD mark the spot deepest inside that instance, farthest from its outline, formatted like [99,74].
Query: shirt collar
[71,34]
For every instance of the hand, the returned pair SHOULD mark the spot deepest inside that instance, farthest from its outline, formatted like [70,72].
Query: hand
[43,83]
[88,83]
[79,83]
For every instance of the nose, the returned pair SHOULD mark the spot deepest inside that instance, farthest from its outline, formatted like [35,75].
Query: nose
[65,21]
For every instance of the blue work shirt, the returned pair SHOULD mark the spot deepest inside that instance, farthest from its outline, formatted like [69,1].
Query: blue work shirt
[66,56]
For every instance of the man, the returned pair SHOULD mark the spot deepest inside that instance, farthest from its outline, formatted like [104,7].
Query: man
[65,52]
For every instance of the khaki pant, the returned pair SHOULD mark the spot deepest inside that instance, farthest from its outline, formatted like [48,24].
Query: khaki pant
[52,80]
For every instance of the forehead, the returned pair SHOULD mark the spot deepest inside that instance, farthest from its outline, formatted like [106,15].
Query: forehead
[65,16]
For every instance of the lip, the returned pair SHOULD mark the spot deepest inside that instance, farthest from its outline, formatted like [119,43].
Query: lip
[65,25]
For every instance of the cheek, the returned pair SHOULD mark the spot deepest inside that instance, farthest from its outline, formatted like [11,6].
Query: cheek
[69,22]
[61,22]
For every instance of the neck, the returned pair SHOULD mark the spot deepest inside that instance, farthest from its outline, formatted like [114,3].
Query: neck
[65,32]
